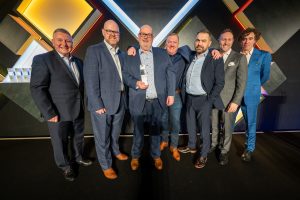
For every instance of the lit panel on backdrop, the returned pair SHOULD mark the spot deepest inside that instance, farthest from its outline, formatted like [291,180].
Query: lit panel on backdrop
[47,15]
[134,29]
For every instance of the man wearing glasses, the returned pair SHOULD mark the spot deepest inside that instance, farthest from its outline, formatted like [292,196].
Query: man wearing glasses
[105,95]
[151,80]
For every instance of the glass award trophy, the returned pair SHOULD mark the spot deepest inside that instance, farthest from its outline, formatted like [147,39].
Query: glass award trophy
[144,74]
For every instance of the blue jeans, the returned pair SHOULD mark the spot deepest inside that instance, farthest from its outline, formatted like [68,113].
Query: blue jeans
[171,121]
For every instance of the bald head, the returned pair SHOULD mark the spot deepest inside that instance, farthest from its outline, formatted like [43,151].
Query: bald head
[111,32]
[145,37]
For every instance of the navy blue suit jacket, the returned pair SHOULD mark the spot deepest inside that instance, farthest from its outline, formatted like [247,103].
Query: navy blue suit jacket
[54,88]
[102,79]
[212,78]
[164,78]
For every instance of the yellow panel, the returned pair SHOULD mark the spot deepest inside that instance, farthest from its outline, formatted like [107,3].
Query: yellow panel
[47,15]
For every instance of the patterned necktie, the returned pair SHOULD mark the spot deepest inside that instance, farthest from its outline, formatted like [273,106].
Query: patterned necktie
[72,67]
[118,64]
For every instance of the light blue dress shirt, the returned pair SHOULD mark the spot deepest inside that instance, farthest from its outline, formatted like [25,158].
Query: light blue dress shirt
[193,75]
[147,61]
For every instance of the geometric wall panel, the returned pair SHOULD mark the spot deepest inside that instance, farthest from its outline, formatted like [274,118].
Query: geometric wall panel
[20,94]
[47,15]
[188,33]
[12,35]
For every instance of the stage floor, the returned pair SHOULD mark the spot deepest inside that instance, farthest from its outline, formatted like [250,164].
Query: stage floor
[28,171]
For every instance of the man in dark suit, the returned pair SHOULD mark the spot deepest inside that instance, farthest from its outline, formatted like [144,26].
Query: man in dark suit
[204,80]
[235,66]
[151,80]
[259,63]
[106,96]
[57,88]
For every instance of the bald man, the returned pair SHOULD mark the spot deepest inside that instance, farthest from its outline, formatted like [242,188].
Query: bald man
[105,94]
[151,81]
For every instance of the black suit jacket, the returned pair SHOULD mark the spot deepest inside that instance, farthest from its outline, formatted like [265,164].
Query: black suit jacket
[54,88]
[212,79]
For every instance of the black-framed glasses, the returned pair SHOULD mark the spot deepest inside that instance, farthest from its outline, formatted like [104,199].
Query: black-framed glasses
[112,32]
[145,35]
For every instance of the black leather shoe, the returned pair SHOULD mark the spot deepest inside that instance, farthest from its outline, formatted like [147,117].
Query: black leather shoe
[223,159]
[201,162]
[69,175]
[84,162]
[246,156]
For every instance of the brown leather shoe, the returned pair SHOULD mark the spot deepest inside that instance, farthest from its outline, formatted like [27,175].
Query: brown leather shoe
[122,156]
[134,164]
[175,153]
[158,163]
[163,145]
[110,173]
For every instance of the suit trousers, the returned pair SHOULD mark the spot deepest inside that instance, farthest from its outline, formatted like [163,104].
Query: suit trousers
[107,129]
[229,120]
[60,133]
[151,115]
[250,115]
[198,114]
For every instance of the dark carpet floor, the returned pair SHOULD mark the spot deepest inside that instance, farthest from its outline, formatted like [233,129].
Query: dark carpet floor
[28,172]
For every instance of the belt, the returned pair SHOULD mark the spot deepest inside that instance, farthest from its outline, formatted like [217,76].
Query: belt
[178,91]
[193,95]
[150,100]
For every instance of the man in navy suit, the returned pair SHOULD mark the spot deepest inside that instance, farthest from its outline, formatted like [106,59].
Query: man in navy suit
[106,96]
[258,73]
[151,80]
[57,88]
[203,82]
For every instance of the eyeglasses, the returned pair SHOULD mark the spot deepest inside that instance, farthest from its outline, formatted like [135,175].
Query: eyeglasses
[112,32]
[145,35]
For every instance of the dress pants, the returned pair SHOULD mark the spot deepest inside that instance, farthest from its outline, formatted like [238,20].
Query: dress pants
[229,120]
[198,114]
[171,119]
[250,115]
[59,133]
[151,115]
[107,129]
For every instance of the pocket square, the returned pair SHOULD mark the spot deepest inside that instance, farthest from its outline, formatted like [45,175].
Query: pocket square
[231,64]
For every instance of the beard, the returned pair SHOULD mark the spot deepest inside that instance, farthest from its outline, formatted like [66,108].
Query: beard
[200,49]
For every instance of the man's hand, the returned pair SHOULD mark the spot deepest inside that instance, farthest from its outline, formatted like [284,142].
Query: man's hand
[170,100]
[53,119]
[101,111]
[131,51]
[216,54]
[232,107]
[141,85]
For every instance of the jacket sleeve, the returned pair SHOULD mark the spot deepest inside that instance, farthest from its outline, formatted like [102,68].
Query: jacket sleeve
[92,80]
[171,78]
[241,80]
[128,78]
[265,68]
[219,79]
[39,88]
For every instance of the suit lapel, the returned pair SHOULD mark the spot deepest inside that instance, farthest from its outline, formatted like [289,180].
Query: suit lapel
[229,59]
[64,66]
[254,57]
[110,59]
[155,64]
